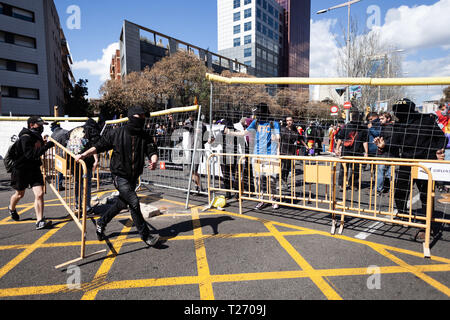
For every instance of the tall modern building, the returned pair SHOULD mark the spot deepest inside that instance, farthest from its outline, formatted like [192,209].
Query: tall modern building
[272,36]
[35,61]
[141,47]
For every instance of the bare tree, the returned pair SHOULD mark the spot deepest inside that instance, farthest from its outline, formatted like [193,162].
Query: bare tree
[370,58]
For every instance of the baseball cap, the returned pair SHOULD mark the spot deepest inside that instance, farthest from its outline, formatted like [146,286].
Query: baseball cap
[36,119]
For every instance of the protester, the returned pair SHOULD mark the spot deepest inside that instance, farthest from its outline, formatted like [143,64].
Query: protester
[417,136]
[290,142]
[353,139]
[27,170]
[267,142]
[130,144]
[60,135]
[374,126]
[384,171]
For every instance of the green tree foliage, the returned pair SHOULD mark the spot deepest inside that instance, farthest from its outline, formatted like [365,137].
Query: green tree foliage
[77,104]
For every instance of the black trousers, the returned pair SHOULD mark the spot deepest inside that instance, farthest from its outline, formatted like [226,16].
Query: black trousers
[127,198]
[403,186]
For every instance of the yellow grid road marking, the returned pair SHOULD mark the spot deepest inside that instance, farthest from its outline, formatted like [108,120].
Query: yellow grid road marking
[10,265]
[323,285]
[100,276]
[204,278]
[205,285]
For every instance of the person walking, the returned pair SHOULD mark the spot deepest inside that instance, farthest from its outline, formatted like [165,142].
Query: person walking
[130,144]
[27,173]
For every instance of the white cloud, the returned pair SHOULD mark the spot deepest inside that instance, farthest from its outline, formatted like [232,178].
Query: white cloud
[98,68]
[417,27]
[323,49]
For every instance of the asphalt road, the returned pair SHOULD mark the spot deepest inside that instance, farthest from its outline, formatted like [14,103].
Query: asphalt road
[267,255]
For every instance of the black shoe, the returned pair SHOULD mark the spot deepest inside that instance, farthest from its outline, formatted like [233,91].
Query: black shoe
[100,231]
[43,224]
[14,215]
[61,188]
[151,240]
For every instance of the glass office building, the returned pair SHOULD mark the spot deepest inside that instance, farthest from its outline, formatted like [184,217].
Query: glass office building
[272,36]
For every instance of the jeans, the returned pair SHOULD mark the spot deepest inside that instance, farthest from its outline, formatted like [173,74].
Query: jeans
[88,188]
[127,198]
[383,171]
[59,180]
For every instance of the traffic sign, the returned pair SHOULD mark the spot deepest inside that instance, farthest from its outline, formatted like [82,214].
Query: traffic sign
[347,105]
[334,110]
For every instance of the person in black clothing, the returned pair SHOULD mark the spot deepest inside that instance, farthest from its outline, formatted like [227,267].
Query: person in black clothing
[353,139]
[60,135]
[130,144]
[27,170]
[92,134]
[386,131]
[415,136]
[290,142]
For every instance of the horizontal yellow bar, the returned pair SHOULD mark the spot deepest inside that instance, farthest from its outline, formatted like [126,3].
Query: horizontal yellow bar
[159,113]
[334,81]
[73,119]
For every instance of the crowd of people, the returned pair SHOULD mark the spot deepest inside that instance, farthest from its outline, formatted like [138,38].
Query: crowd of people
[405,134]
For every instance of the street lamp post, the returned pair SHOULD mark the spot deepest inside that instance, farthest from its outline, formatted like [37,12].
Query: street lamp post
[348,4]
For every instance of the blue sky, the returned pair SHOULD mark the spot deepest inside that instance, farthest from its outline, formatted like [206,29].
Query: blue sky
[419,27]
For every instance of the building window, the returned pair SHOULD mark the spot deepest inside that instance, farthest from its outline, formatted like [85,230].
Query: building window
[17,66]
[248,26]
[236,16]
[236,3]
[258,13]
[236,42]
[20,93]
[270,9]
[248,39]
[270,21]
[264,30]
[248,63]
[258,26]
[247,52]
[258,2]
[17,40]
[247,2]
[276,14]
[270,33]
[17,13]
[264,4]
[264,17]
[247,13]
[237,29]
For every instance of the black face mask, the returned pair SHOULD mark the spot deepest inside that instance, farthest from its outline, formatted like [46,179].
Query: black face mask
[38,130]
[136,125]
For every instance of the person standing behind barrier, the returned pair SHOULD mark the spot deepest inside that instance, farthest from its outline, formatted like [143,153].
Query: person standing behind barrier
[374,126]
[384,171]
[27,170]
[267,142]
[60,135]
[353,139]
[417,136]
[130,144]
[92,135]
[290,142]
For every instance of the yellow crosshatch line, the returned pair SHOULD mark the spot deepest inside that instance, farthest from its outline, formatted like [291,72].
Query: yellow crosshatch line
[204,279]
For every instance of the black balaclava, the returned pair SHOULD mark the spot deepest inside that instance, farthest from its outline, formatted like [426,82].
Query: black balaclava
[404,110]
[135,125]
[39,130]
[262,112]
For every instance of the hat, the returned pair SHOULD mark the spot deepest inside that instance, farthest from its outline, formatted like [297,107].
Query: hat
[135,110]
[403,106]
[36,119]
[54,125]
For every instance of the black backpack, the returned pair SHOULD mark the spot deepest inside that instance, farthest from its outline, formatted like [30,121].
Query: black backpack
[11,156]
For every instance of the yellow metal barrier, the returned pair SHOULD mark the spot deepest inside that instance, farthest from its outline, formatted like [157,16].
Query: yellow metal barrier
[60,160]
[318,190]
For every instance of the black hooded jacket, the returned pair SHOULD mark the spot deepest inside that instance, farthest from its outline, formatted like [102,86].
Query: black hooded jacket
[129,151]
[31,148]
[419,138]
